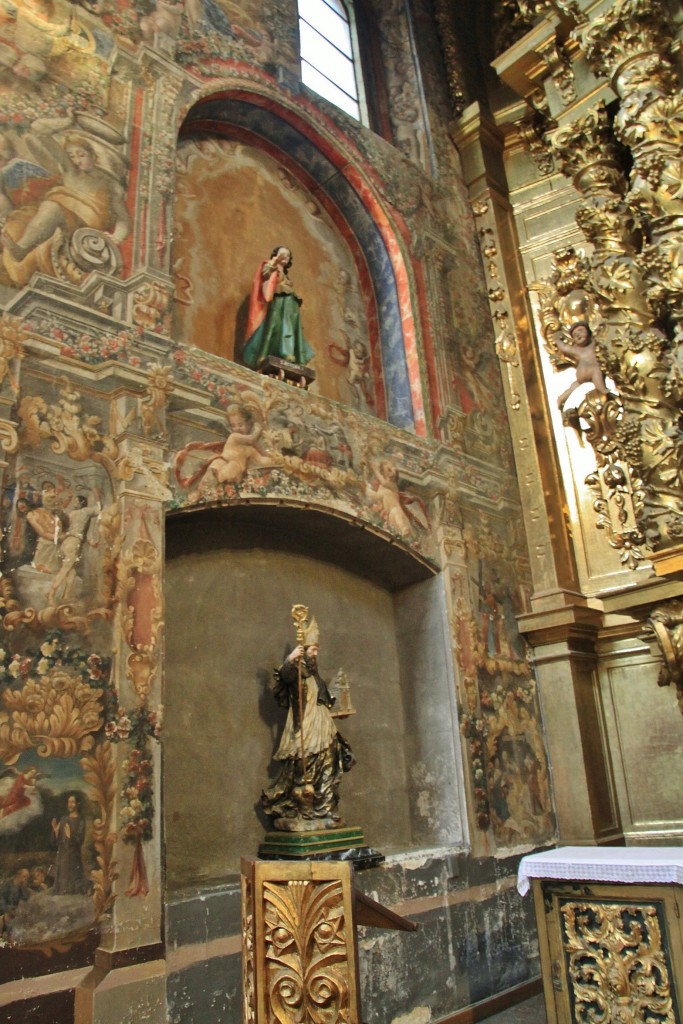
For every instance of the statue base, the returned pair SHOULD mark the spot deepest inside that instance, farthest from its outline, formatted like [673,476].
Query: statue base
[291,373]
[308,845]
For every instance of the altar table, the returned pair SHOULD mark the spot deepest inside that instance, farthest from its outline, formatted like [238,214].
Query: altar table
[609,930]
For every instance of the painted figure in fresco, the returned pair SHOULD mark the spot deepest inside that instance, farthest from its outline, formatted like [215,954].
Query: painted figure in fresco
[68,833]
[312,754]
[393,506]
[356,359]
[165,20]
[208,15]
[21,181]
[233,457]
[88,196]
[71,546]
[47,521]
[21,541]
[38,882]
[491,615]
[512,634]
[21,794]
[13,891]
[469,387]
[583,353]
[274,321]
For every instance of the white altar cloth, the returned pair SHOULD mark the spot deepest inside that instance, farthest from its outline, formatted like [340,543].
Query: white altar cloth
[634,864]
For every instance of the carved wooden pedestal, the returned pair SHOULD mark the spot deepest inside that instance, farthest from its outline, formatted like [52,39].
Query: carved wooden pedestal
[299,949]
[610,952]
[291,373]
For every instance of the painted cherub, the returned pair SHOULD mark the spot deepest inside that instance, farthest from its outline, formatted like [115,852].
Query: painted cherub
[233,457]
[582,352]
[393,505]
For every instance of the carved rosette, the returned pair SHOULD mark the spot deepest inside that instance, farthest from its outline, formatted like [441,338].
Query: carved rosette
[616,961]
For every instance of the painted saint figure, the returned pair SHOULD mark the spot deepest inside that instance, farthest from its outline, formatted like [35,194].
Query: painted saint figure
[20,795]
[68,833]
[312,754]
[47,521]
[13,891]
[274,322]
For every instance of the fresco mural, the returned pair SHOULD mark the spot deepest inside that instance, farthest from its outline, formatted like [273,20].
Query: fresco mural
[500,714]
[59,719]
[281,443]
[56,794]
[57,545]
[62,195]
[41,38]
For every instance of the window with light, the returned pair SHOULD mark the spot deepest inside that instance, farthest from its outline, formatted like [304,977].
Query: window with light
[329,58]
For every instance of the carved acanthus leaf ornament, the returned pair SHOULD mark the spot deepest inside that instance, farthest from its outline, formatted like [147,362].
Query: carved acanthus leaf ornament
[305,943]
[617,963]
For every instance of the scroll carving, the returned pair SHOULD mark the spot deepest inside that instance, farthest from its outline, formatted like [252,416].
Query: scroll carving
[305,940]
[617,962]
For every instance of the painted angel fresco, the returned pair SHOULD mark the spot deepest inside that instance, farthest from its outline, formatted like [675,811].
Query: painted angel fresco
[398,510]
[62,191]
[228,461]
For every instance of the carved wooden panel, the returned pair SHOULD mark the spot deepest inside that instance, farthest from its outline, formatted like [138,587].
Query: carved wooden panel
[299,959]
[610,952]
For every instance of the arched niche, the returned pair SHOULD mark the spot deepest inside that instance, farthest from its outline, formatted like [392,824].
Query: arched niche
[232,576]
[260,129]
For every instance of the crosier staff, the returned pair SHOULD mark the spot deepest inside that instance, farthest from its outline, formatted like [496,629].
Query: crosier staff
[300,619]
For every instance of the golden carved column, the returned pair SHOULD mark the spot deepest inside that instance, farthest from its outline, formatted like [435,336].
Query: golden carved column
[632,46]
[609,294]
[636,437]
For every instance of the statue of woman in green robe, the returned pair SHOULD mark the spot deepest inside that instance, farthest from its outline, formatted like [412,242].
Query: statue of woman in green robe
[274,322]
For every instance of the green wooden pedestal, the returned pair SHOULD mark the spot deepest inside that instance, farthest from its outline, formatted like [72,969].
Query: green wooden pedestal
[307,844]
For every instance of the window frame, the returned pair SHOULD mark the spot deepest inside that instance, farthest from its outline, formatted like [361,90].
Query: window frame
[356,61]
